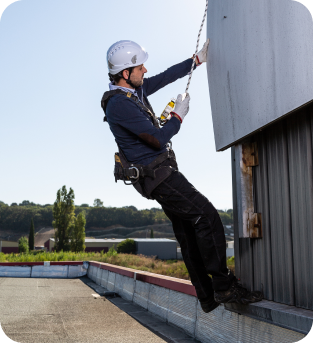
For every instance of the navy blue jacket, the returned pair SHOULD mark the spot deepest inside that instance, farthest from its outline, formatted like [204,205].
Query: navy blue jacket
[132,127]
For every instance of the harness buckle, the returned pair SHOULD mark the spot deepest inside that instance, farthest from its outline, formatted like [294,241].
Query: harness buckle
[137,173]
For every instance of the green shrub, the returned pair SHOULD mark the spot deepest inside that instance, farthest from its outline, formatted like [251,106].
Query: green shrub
[231,259]
[128,246]
[23,245]
[111,252]
[36,252]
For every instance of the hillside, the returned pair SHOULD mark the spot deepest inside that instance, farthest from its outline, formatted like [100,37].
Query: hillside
[101,222]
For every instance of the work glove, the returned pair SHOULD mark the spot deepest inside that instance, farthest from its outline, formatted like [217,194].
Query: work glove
[181,106]
[202,54]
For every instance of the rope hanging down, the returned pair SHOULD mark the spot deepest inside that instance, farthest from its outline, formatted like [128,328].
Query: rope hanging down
[199,35]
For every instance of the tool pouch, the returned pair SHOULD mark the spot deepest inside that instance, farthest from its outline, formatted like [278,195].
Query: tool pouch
[118,168]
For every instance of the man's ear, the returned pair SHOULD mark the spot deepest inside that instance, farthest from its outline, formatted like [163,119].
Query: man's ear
[125,74]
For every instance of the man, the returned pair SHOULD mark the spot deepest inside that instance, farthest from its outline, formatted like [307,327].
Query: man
[146,160]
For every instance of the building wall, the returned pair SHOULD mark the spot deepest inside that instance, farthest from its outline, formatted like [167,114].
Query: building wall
[107,245]
[280,262]
[9,250]
[8,247]
[260,64]
[162,250]
[165,249]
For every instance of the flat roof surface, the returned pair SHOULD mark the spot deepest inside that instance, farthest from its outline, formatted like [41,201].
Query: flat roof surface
[65,310]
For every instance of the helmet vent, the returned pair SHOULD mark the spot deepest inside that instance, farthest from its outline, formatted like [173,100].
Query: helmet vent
[134,59]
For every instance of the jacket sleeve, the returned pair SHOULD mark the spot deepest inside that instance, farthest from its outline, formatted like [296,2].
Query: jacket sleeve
[154,83]
[130,117]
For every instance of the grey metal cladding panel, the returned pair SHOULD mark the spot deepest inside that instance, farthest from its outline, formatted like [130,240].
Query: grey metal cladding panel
[260,64]
[301,189]
[280,216]
[262,255]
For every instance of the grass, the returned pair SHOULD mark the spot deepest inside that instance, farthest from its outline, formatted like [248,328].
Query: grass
[174,268]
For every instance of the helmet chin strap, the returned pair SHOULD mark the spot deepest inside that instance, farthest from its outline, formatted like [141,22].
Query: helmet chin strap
[128,80]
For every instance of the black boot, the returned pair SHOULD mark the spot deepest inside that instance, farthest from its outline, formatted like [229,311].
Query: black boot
[208,304]
[237,293]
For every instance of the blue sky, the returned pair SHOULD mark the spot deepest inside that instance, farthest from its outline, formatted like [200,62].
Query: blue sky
[53,74]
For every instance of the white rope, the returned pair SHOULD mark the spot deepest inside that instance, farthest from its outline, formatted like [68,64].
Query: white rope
[194,58]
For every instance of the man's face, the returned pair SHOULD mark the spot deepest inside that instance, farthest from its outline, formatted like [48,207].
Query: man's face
[137,75]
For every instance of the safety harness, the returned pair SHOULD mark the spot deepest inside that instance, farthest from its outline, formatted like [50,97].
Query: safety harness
[144,178]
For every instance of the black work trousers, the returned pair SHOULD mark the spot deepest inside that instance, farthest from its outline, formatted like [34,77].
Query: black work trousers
[199,231]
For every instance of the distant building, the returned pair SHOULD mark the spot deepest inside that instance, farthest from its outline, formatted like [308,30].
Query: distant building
[162,248]
[230,249]
[8,247]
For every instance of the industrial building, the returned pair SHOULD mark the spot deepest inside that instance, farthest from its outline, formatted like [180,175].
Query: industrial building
[162,248]
[8,247]
[260,73]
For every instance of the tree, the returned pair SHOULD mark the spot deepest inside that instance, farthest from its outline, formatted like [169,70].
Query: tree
[151,234]
[31,237]
[23,245]
[131,207]
[24,203]
[128,246]
[226,219]
[84,205]
[98,203]
[64,216]
[230,212]
[78,233]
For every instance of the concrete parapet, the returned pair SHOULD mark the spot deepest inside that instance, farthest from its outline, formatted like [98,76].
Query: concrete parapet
[158,301]
[141,294]
[286,316]
[128,288]
[111,281]
[98,275]
[77,271]
[44,269]
[182,311]
[173,301]
[104,278]
[23,271]
[225,326]
[50,272]
[118,284]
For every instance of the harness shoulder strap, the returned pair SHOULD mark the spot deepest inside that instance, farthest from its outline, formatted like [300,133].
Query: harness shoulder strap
[106,97]
[147,107]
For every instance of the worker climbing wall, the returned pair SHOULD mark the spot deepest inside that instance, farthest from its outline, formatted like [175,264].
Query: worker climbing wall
[260,64]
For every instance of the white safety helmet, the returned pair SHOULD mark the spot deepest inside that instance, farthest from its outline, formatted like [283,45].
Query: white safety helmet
[125,54]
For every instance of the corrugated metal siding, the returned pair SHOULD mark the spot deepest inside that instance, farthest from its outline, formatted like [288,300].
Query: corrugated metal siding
[280,262]
[279,213]
[300,131]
